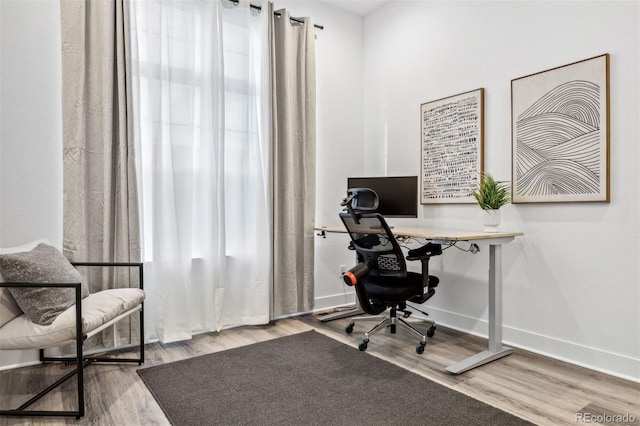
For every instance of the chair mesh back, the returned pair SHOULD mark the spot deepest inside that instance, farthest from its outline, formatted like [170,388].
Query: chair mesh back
[373,240]
[388,263]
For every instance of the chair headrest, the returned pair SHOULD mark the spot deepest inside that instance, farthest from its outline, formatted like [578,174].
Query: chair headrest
[362,199]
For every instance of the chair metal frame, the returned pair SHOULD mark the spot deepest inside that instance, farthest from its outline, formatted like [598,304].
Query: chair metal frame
[81,361]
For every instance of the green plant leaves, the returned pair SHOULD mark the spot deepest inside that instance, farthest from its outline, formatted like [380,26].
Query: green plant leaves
[491,194]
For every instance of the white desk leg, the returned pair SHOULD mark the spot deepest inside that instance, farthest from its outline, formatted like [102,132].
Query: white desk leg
[496,350]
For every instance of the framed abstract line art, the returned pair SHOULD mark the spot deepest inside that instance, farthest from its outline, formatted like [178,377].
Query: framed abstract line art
[560,134]
[451,152]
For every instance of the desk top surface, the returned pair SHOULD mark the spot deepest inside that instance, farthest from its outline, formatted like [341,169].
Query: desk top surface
[437,234]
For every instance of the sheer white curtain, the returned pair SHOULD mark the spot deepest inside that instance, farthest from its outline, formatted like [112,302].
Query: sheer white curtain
[201,105]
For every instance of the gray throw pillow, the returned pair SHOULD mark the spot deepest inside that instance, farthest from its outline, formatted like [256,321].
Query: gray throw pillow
[9,309]
[43,264]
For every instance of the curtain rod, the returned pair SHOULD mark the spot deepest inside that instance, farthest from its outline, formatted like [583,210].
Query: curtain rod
[259,8]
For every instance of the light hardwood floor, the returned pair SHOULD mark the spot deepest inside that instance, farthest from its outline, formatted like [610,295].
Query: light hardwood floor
[541,390]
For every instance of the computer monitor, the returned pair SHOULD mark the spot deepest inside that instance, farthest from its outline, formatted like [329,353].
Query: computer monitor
[398,195]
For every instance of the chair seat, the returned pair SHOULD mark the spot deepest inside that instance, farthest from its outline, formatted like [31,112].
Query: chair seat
[393,289]
[97,309]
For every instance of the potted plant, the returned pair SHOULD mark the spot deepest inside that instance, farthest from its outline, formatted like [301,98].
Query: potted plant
[491,195]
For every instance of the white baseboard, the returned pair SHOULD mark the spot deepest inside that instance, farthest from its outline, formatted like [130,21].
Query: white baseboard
[15,359]
[19,365]
[592,358]
[596,359]
[334,301]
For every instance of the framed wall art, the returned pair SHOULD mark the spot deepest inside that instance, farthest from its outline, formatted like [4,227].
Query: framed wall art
[452,148]
[560,133]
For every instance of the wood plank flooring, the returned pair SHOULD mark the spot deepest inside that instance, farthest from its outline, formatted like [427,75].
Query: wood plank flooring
[541,390]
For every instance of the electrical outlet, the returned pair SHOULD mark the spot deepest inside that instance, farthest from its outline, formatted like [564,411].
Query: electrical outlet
[342,270]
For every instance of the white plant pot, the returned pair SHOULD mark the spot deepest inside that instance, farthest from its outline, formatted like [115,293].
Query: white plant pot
[490,220]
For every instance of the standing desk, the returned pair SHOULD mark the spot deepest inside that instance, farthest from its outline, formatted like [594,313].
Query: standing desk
[495,240]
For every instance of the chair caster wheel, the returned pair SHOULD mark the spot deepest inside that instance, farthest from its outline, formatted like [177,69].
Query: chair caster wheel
[349,328]
[362,346]
[431,331]
[420,347]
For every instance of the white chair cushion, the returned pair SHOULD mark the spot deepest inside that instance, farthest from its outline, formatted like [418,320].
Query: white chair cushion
[97,309]
[9,309]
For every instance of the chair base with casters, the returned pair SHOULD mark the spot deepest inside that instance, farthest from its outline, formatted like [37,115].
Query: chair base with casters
[391,321]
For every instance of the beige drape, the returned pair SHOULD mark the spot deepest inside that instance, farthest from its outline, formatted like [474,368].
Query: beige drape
[294,169]
[100,197]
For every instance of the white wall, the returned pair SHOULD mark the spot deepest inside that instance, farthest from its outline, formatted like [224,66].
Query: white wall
[30,122]
[30,129]
[572,282]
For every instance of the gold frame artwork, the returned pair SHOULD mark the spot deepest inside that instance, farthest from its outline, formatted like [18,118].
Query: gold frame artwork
[560,134]
[451,148]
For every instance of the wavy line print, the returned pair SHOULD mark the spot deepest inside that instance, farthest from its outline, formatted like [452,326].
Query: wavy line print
[557,146]
[558,177]
[578,99]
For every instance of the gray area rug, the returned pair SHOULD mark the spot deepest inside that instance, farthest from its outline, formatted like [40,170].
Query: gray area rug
[307,379]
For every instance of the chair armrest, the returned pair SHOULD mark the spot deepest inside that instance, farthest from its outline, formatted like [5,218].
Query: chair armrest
[424,252]
[52,285]
[138,265]
[76,286]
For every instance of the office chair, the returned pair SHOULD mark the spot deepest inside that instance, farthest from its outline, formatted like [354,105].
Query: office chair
[381,278]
